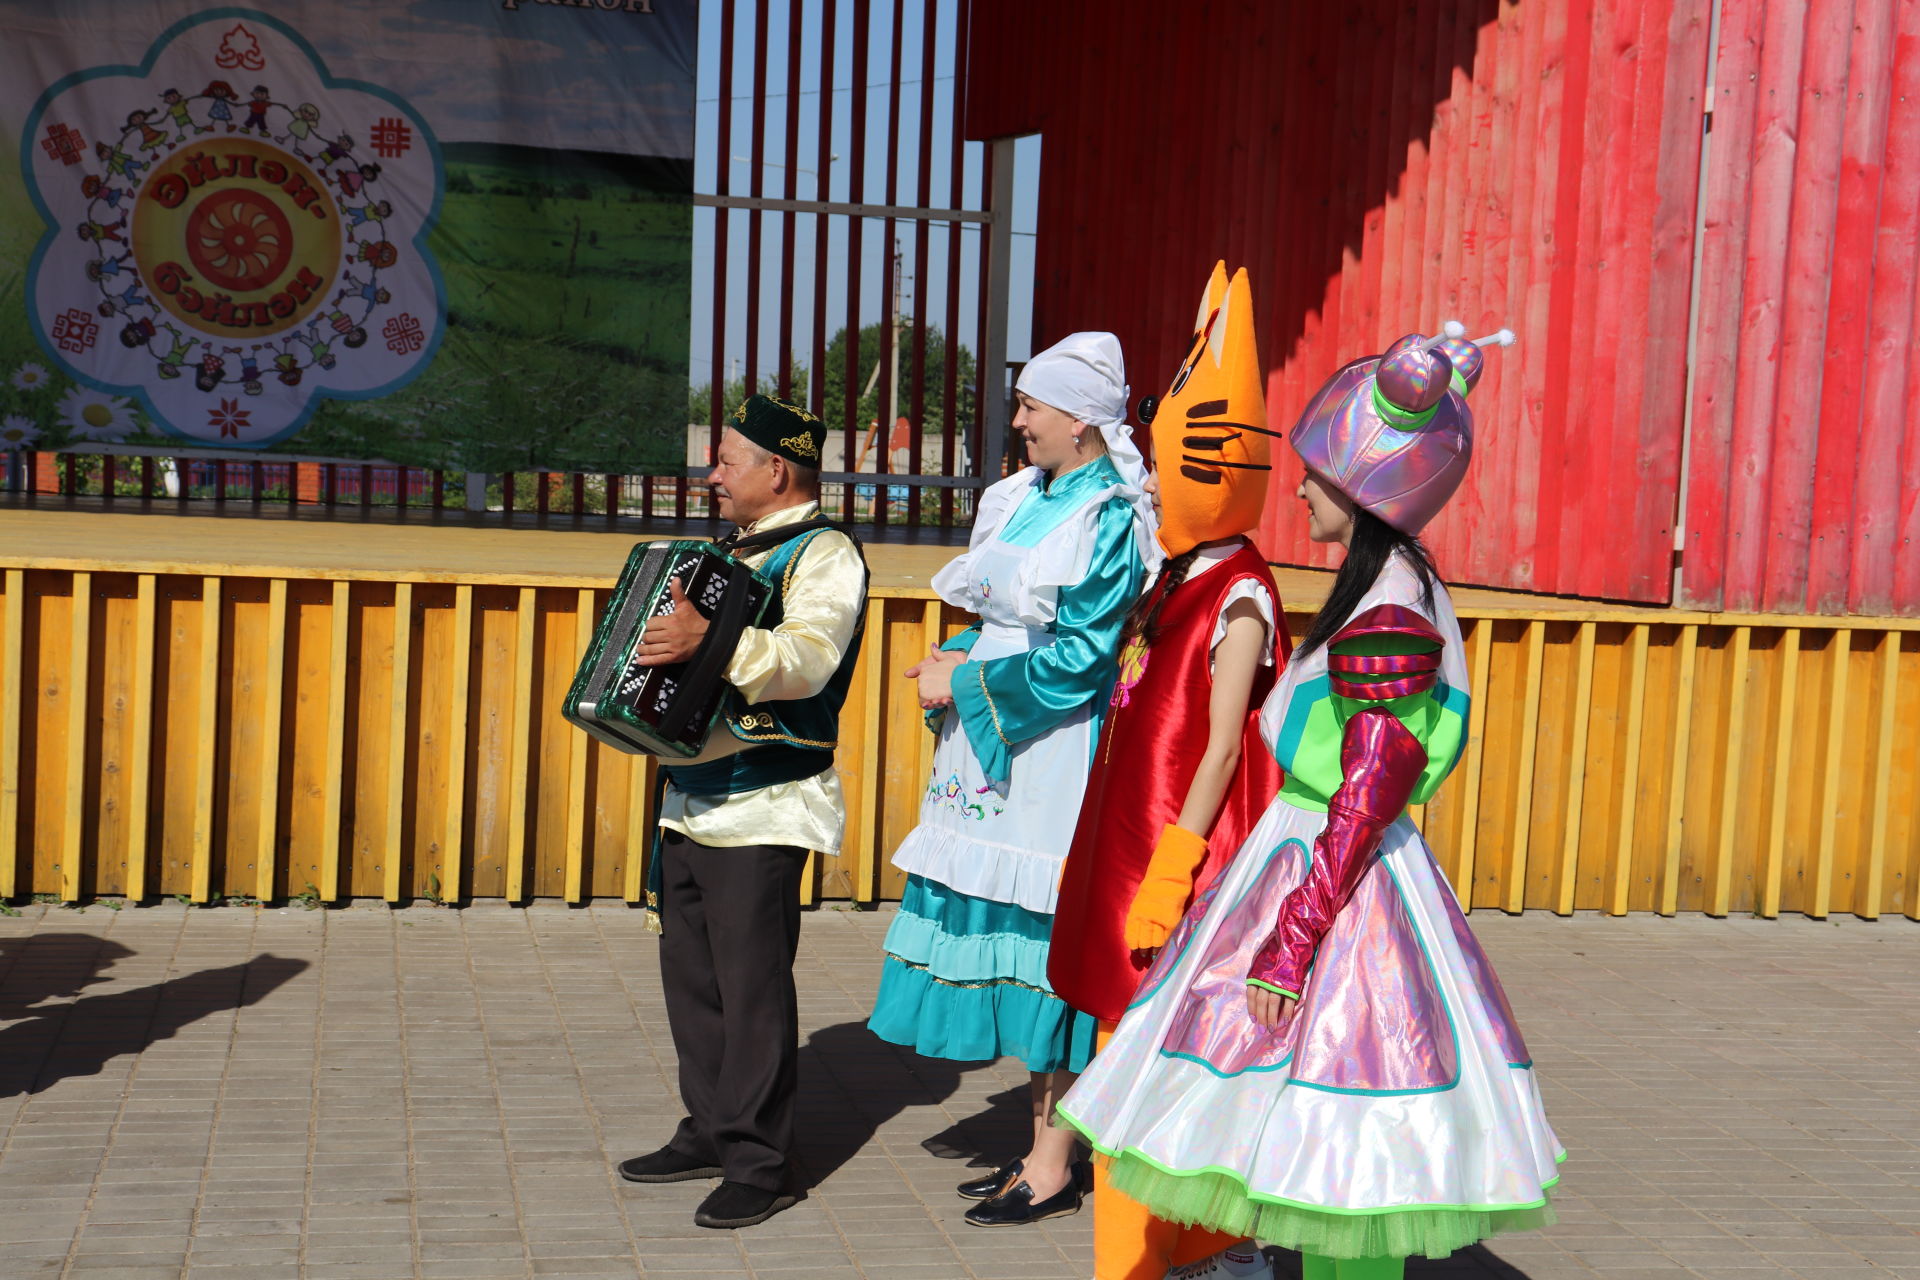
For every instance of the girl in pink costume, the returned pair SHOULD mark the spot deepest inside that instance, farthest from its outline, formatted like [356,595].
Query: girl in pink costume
[1321,1056]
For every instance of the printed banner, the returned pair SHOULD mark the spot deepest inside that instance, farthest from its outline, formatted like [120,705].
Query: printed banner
[450,233]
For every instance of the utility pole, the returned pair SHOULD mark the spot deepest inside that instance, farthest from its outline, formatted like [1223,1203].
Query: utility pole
[893,380]
[893,366]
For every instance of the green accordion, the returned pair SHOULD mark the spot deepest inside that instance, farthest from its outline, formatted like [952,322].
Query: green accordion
[666,710]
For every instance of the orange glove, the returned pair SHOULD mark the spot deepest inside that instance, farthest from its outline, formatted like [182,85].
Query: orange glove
[1161,899]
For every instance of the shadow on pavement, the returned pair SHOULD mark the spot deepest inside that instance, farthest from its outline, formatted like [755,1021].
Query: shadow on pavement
[47,1043]
[846,1062]
[1468,1264]
[988,1139]
[51,966]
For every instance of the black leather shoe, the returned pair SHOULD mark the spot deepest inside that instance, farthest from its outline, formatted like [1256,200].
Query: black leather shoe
[732,1205]
[986,1188]
[1015,1207]
[666,1165]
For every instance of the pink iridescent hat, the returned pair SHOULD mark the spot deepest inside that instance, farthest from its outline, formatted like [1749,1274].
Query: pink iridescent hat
[1393,431]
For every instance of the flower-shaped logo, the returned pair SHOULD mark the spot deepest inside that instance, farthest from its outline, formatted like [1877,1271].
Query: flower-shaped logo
[17,432]
[229,242]
[95,415]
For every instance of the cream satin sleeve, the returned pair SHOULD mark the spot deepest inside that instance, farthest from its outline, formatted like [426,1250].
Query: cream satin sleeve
[821,607]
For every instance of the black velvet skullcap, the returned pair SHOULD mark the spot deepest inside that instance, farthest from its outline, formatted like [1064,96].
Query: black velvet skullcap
[782,427]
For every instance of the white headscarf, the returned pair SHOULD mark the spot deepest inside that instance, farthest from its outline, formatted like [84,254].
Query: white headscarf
[1085,376]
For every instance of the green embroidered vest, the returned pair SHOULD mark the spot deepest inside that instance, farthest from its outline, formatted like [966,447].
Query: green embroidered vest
[811,724]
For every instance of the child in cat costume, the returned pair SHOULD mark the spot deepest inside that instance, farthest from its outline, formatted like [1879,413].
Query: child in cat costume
[1180,775]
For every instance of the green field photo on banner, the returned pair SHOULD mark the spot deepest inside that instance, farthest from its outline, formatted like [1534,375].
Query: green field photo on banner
[446,236]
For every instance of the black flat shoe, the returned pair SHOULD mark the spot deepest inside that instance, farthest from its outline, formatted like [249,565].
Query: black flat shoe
[1015,1207]
[991,1185]
[733,1205]
[666,1165]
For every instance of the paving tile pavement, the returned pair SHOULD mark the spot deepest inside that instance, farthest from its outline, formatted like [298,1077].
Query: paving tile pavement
[365,1094]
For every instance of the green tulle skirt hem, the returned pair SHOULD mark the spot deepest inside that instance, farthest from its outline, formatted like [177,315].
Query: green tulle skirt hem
[1219,1202]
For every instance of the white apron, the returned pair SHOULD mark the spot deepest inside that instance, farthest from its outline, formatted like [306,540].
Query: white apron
[1006,843]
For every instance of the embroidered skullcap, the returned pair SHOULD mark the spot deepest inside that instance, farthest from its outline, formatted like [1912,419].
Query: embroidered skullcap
[782,427]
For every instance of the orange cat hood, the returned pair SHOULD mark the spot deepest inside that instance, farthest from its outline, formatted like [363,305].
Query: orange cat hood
[1210,437]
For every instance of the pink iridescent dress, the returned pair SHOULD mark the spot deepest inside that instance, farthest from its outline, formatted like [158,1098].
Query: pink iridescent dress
[1397,1113]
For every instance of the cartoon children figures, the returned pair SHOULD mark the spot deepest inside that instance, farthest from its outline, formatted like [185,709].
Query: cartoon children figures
[177,354]
[354,179]
[306,117]
[177,108]
[337,150]
[223,97]
[212,367]
[360,215]
[321,352]
[151,139]
[102,231]
[288,366]
[369,292]
[350,333]
[94,188]
[124,303]
[249,369]
[118,161]
[257,110]
[99,269]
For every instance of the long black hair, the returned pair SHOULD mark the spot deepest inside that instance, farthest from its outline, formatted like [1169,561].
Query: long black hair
[1373,543]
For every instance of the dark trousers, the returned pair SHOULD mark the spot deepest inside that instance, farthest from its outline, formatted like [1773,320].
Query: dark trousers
[730,921]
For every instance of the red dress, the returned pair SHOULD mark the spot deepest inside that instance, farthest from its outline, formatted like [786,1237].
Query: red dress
[1150,746]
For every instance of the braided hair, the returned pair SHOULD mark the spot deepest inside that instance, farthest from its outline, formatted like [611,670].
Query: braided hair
[1143,622]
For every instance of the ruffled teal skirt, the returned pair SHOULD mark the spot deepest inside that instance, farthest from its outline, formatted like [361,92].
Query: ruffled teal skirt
[966,979]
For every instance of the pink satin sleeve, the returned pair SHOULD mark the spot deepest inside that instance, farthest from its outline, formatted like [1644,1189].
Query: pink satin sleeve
[1380,761]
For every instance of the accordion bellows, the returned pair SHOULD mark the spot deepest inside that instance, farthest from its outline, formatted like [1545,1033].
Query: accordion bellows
[665,710]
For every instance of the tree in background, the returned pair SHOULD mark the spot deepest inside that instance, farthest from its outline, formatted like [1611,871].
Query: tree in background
[700,398]
[872,389]
[871,406]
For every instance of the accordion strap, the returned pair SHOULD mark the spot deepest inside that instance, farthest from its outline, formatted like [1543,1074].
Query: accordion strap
[736,544]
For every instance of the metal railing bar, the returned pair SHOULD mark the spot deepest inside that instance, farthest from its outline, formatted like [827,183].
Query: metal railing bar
[902,212]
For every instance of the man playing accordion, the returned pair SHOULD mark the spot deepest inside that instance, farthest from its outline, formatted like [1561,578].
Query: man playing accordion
[738,819]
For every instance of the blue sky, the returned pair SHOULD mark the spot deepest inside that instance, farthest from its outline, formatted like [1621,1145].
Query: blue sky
[839,178]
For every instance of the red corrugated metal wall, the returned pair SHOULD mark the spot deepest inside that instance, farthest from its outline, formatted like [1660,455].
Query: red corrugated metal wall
[1382,166]
[1379,167]
[1803,469]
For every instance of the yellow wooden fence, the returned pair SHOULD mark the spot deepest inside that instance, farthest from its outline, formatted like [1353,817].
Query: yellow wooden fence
[269,734]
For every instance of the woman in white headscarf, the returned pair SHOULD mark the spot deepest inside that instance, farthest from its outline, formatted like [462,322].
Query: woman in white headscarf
[1057,558]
